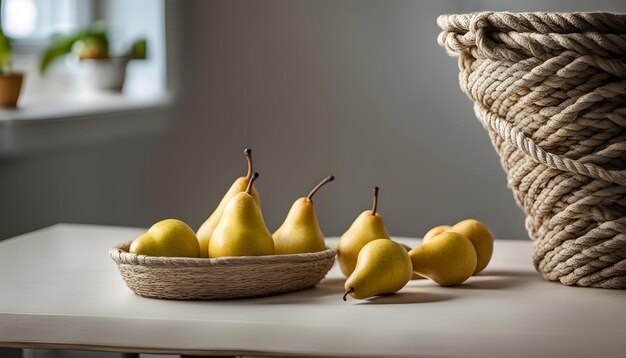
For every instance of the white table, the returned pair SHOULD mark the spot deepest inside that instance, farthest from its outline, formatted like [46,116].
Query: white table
[59,289]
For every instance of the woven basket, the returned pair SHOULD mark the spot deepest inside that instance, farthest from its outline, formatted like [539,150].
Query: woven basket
[181,278]
[550,88]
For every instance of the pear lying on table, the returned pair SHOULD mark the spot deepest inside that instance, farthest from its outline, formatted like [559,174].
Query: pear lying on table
[429,235]
[367,227]
[383,266]
[481,238]
[478,234]
[448,259]
[435,231]
[300,232]
[169,237]
[241,230]
[206,229]
[415,275]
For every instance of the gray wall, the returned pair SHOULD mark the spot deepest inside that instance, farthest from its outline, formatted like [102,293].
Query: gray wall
[359,89]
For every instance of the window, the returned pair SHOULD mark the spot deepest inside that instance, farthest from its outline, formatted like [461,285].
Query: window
[87,115]
[34,21]
[53,94]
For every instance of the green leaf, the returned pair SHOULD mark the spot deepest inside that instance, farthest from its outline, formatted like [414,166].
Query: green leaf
[92,45]
[5,53]
[94,36]
[60,46]
[138,50]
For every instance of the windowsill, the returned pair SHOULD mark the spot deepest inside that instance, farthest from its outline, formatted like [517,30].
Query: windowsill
[48,107]
[47,122]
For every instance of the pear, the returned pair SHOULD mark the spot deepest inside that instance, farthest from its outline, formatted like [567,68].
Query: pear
[367,227]
[383,266]
[415,276]
[481,238]
[169,237]
[241,230]
[300,232]
[429,235]
[207,228]
[435,231]
[448,259]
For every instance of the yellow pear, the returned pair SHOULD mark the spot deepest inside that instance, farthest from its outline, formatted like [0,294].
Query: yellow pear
[414,276]
[207,228]
[481,238]
[241,230]
[300,232]
[383,266]
[367,227]
[435,231]
[448,259]
[169,237]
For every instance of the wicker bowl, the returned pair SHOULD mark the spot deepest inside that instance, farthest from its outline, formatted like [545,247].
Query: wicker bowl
[181,278]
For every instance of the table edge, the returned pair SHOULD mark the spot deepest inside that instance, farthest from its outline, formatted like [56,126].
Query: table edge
[146,350]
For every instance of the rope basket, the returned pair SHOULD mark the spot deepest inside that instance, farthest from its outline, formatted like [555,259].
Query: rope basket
[550,88]
[182,278]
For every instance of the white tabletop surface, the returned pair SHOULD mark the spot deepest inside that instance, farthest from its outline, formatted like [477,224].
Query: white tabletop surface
[59,288]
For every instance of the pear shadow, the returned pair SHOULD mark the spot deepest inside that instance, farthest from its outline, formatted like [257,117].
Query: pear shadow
[508,273]
[326,288]
[332,282]
[400,298]
[491,281]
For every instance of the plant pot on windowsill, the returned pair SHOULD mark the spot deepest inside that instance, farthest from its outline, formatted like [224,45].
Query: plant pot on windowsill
[93,67]
[106,74]
[10,81]
[10,88]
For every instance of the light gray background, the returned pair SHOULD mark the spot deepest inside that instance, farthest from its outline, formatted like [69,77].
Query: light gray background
[359,89]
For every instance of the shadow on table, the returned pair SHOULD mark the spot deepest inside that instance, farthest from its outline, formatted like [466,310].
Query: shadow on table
[399,298]
[326,288]
[489,272]
[333,287]
[493,280]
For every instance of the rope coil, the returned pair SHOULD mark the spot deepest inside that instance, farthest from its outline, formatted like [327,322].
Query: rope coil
[550,88]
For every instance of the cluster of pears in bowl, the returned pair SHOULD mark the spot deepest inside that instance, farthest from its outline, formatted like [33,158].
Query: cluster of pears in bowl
[236,228]
[233,254]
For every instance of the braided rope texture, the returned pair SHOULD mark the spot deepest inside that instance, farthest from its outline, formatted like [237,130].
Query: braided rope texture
[550,88]
[181,278]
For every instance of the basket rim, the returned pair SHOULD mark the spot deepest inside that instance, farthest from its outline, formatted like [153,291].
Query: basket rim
[530,22]
[527,13]
[119,253]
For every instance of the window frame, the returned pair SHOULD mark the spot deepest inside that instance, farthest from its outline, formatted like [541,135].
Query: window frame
[87,12]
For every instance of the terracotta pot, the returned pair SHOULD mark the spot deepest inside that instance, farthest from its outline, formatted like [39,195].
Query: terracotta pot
[10,87]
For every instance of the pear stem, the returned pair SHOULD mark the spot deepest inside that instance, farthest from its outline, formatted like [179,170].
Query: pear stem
[248,153]
[349,291]
[318,186]
[375,205]
[249,187]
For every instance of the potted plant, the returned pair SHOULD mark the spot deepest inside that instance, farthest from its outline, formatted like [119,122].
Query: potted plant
[94,65]
[10,81]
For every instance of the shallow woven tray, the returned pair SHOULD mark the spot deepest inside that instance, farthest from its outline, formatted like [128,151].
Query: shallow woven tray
[181,278]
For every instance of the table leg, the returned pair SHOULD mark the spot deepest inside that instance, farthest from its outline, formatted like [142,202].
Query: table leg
[10,353]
